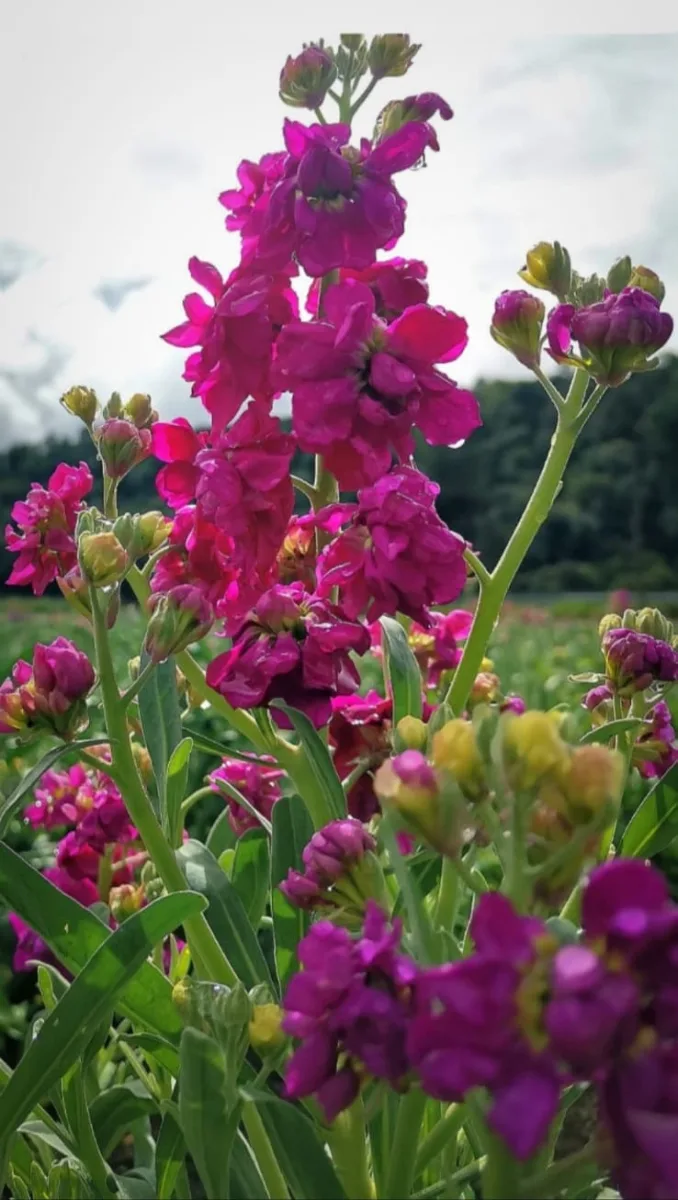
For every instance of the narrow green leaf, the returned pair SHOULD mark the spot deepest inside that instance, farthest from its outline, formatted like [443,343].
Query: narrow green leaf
[74,933]
[246,1181]
[42,1133]
[208,1126]
[240,798]
[9,806]
[251,873]
[70,1026]
[209,745]
[156,1048]
[226,914]
[177,779]
[114,1111]
[138,1184]
[328,802]
[221,836]
[170,1152]
[654,825]
[298,1149]
[605,733]
[160,715]
[401,671]
[292,830]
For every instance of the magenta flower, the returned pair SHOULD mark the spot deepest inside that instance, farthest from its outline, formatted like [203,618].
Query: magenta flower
[244,488]
[257,782]
[334,206]
[46,521]
[292,647]
[62,675]
[332,875]
[350,1001]
[596,696]
[202,555]
[617,336]
[360,733]
[60,798]
[122,446]
[635,660]
[396,284]
[359,386]
[436,646]
[177,444]
[656,750]
[248,205]
[396,554]
[235,336]
[516,325]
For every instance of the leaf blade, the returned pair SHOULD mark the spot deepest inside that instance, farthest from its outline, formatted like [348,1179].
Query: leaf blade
[401,671]
[654,825]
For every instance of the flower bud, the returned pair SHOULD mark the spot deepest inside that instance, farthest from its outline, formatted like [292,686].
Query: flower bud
[125,900]
[414,108]
[81,402]
[103,559]
[649,281]
[412,733]
[616,336]
[142,535]
[654,623]
[391,54]
[409,785]
[517,325]
[306,79]
[121,446]
[353,41]
[485,689]
[114,406]
[265,1029]
[143,760]
[594,780]
[597,696]
[609,621]
[178,618]
[548,267]
[635,660]
[140,411]
[455,749]
[533,749]
[619,275]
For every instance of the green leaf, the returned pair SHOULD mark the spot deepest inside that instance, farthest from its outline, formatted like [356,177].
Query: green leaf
[9,806]
[221,836]
[208,1125]
[42,1133]
[157,1048]
[70,1026]
[74,933]
[401,671]
[114,1111]
[170,1152]
[209,745]
[605,733]
[138,1184]
[654,825]
[246,1180]
[240,798]
[161,722]
[251,873]
[177,778]
[299,1151]
[328,801]
[292,830]
[226,914]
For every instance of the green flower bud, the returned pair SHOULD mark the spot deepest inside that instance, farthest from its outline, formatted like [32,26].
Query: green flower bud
[649,281]
[653,622]
[548,267]
[391,54]
[139,410]
[102,558]
[178,618]
[81,402]
[608,622]
[306,79]
[619,274]
[114,406]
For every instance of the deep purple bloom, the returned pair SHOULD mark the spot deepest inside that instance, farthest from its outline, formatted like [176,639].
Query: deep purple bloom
[360,732]
[516,325]
[616,336]
[331,868]
[257,782]
[395,283]
[635,660]
[656,750]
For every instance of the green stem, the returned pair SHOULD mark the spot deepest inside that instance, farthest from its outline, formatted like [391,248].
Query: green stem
[463,1175]
[263,1153]
[88,1147]
[136,686]
[110,498]
[200,936]
[556,1178]
[363,97]
[307,489]
[447,900]
[550,389]
[418,921]
[402,1165]
[320,116]
[624,743]
[435,1142]
[348,1143]
[199,794]
[536,511]
[479,569]
[517,883]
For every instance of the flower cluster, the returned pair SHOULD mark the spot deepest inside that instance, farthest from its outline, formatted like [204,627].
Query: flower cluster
[340,871]
[45,520]
[257,781]
[50,694]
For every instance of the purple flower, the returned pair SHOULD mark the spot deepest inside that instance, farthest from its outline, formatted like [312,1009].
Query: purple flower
[257,782]
[635,660]
[293,647]
[616,336]
[656,750]
[596,696]
[351,1002]
[516,325]
[335,871]
[62,675]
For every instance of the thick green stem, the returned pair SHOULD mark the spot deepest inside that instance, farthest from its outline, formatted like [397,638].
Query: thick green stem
[447,900]
[493,592]
[402,1165]
[204,946]
[263,1152]
[348,1143]
[440,1136]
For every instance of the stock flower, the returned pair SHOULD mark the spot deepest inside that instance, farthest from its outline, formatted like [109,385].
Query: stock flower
[257,782]
[436,646]
[656,750]
[418,109]
[331,205]
[177,444]
[244,488]
[122,446]
[292,647]
[340,872]
[395,283]
[350,1006]
[297,555]
[49,694]
[359,386]
[635,660]
[306,78]
[516,325]
[396,555]
[247,205]
[46,521]
[360,733]
[235,335]
[179,617]
[60,798]
[616,336]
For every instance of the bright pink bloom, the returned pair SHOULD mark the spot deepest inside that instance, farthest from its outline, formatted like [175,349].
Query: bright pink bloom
[235,336]
[61,798]
[657,750]
[396,555]
[244,488]
[62,675]
[46,521]
[334,205]
[177,444]
[359,386]
[396,283]
[436,647]
[248,204]
[292,647]
[257,782]
[360,732]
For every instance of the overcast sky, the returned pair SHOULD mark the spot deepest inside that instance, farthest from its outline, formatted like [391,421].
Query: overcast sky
[121,123]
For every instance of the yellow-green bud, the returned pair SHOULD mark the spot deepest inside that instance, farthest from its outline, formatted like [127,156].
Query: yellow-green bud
[534,749]
[265,1029]
[114,406]
[153,528]
[649,281]
[81,402]
[548,267]
[653,622]
[619,274]
[125,900]
[594,779]
[455,749]
[608,622]
[139,410]
[102,558]
[412,733]
[391,54]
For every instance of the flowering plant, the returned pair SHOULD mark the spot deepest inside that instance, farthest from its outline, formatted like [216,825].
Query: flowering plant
[423,934]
